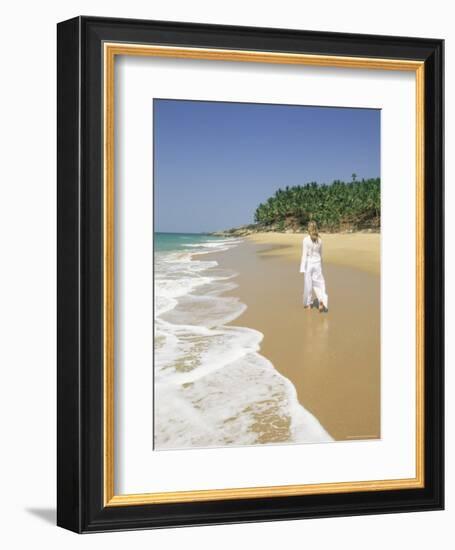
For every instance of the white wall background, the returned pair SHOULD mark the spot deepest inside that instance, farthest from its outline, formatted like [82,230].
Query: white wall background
[27,287]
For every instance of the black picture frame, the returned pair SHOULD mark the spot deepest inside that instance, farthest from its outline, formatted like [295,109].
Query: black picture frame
[80,475]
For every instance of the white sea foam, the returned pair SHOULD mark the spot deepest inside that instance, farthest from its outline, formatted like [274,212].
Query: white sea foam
[212,386]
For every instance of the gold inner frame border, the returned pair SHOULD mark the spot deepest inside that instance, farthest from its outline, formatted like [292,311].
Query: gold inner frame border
[110,51]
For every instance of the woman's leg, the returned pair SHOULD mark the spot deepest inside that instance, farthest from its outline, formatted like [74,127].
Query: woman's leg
[319,286]
[308,288]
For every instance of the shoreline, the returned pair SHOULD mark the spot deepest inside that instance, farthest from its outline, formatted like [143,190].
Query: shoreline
[212,386]
[333,359]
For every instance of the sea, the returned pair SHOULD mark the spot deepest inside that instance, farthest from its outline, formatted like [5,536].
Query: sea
[213,388]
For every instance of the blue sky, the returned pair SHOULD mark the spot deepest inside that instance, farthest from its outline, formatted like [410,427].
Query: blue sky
[216,161]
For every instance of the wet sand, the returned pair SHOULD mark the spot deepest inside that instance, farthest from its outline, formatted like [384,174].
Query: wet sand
[332,359]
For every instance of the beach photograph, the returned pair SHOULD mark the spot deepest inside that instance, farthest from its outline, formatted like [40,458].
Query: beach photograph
[267,268]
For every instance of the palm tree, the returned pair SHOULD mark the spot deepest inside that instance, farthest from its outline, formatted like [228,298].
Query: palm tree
[355,204]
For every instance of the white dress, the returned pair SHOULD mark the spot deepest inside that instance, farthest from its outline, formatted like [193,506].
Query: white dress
[311,266]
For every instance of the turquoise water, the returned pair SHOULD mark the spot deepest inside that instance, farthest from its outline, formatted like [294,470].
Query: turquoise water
[166,242]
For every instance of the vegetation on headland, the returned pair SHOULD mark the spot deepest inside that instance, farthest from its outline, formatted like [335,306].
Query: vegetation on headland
[340,206]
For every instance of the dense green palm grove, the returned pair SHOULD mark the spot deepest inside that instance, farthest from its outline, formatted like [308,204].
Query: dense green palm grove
[338,206]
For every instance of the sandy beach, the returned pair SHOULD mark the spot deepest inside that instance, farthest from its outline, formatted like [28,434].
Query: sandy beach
[332,359]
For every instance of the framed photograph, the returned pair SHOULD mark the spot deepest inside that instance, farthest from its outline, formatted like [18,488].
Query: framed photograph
[250,274]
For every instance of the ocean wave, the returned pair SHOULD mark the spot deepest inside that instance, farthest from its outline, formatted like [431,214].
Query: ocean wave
[212,386]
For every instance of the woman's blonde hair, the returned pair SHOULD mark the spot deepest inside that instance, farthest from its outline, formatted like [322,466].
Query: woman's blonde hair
[313,231]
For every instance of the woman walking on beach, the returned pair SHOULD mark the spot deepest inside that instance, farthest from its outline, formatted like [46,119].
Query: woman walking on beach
[311,266]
